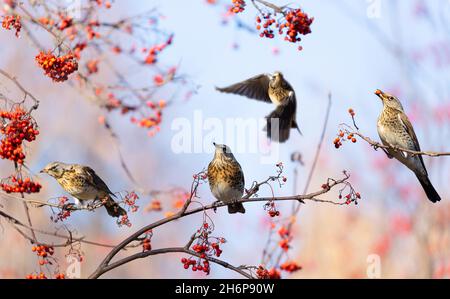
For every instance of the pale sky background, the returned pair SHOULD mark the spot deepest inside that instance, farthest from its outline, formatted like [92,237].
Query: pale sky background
[342,56]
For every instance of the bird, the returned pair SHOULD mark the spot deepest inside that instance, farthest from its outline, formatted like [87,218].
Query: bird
[271,88]
[83,184]
[396,132]
[226,178]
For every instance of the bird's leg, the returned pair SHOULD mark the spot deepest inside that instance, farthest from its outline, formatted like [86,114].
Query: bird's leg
[69,206]
[91,205]
[79,205]
[215,205]
[387,153]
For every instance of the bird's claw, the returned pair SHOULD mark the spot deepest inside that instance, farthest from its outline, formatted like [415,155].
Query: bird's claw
[68,206]
[215,205]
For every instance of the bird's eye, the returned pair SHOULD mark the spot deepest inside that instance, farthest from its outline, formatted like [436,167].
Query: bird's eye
[391,98]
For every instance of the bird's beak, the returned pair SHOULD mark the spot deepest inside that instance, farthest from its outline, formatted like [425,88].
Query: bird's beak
[42,171]
[379,93]
[214,143]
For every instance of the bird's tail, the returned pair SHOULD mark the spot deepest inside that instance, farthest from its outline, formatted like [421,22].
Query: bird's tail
[236,207]
[113,208]
[280,119]
[429,189]
[295,126]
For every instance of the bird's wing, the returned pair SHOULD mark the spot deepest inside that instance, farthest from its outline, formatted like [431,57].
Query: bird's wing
[254,88]
[284,113]
[95,180]
[407,126]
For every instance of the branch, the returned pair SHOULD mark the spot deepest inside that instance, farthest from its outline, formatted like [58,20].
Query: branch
[377,145]
[17,83]
[105,264]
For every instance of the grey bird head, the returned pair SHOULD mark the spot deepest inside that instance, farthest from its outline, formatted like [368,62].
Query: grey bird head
[55,169]
[389,100]
[223,151]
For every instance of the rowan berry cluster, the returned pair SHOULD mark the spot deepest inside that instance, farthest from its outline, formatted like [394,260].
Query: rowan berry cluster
[206,246]
[64,213]
[352,196]
[10,22]
[264,25]
[57,68]
[237,6]
[123,220]
[130,200]
[286,238]
[290,267]
[271,209]
[43,252]
[41,275]
[92,66]
[201,176]
[151,122]
[297,23]
[17,126]
[263,273]
[294,21]
[343,136]
[154,205]
[146,242]
[153,52]
[19,185]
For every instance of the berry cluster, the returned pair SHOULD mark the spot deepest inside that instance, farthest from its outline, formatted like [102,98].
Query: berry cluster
[286,238]
[57,68]
[196,265]
[12,22]
[123,220]
[154,205]
[130,200]
[290,267]
[153,52]
[151,122]
[205,247]
[92,66]
[238,6]
[65,22]
[17,126]
[297,23]
[64,213]
[341,137]
[18,185]
[43,252]
[146,242]
[265,24]
[263,273]
[107,4]
[271,209]
[41,275]
[352,196]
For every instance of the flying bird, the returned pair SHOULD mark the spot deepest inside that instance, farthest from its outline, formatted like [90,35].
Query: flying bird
[397,132]
[226,179]
[271,89]
[83,184]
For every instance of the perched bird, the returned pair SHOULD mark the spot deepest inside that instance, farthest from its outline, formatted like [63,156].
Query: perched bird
[271,89]
[226,179]
[83,184]
[397,133]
